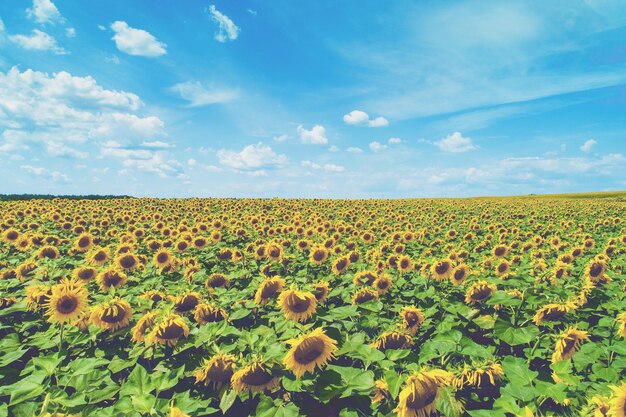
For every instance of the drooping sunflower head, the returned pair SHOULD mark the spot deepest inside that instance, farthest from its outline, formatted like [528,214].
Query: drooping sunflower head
[309,351]
[552,312]
[621,322]
[268,289]
[365,277]
[217,280]
[25,270]
[216,371]
[478,376]
[381,391]
[340,265]
[383,283]
[208,313]
[392,340]
[255,377]
[6,302]
[67,301]
[479,292]
[168,330]
[321,290]
[111,277]
[441,270]
[364,295]
[412,318]
[112,315]
[568,343]
[144,326]
[417,398]
[187,301]
[297,305]
[502,268]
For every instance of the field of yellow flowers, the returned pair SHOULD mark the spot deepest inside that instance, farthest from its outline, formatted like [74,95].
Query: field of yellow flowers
[331,308]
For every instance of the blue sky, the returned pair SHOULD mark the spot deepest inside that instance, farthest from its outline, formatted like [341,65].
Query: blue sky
[312,99]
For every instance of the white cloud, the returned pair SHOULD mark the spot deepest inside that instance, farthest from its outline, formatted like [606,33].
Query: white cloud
[377,146]
[360,118]
[70,32]
[38,41]
[192,162]
[198,95]
[394,141]
[157,144]
[315,136]
[226,30]
[281,138]
[455,143]
[588,145]
[46,174]
[136,41]
[44,11]
[334,148]
[143,160]
[324,167]
[60,111]
[251,157]
[354,149]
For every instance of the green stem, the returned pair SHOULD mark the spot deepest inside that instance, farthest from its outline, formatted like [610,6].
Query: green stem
[61,337]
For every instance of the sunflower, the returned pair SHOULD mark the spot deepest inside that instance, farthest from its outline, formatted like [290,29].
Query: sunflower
[10,236]
[364,278]
[111,278]
[112,315]
[67,301]
[405,263]
[49,252]
[340,266]
[309,351]
[321,290]
[568,343]
[417,398]
[98,257]
[479,376]
[502,268]
[392,340]
[318,255]
[552,312]
[255,377]
[127,262]
[459,274]
[25,270]
[6,302]
[621,321]
[297,305]
[168,330]
[163,259]
[594,272]
[187,301]
[268,289]
[364,295]
[217,281]
[617,404]
[441,270]
[84,273]
[479,292]
[274,252]
[412,318]
[382,284]
[216,371]
[381,391]
[144,324]
[207,313]
[37,296]
[83,243]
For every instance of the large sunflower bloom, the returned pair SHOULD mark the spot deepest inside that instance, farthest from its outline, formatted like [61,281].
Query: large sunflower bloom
[67,301]
[297,305]
[309,351]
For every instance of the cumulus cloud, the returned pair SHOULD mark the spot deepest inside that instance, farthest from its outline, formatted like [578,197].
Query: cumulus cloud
[455,143]
[588,145]
[198,95]
[37,41]
[143,159]
[44,11]
[315,136]
[394,141]
[226,29]
[281,138]
[61,111]
[323,167]
[251,157]
[360,118]
[136,41]
[377,146]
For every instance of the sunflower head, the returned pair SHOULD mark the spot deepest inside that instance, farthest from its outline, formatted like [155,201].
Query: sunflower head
[459,274]
[111,277]
[112,315]
[321,290]
[340,266]
[478,376]
[309,351]
[417,398]
[127,261]
[297,305]
[364,295]
[207,313]
[268,289]
[168,330]
[568,343]
[441,270]
[479,292]
[412,319]
[255,377]
[85,273]
[552,312]
[67,301]
[217,281]
[393,340]
[365,277]
[216,371]
[187,301]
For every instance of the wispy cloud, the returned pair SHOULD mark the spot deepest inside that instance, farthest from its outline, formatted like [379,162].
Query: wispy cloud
[199,95]
[136,41]
[226,29]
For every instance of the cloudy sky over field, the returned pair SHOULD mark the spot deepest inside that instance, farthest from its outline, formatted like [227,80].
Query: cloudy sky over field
[312,99]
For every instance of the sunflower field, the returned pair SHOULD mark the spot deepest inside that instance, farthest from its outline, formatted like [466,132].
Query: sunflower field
[331,308]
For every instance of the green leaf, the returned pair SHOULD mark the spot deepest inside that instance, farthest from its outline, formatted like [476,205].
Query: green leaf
[48,364]
[28,388]
[515,336]
[11,356]
[448,404]
[138,383]
[516,370]
[227,400]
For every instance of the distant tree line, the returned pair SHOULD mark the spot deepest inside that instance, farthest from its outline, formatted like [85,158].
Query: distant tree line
[15,197]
